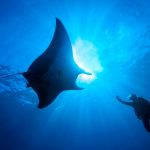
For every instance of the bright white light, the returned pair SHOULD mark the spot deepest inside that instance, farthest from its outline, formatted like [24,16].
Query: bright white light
[84,79]
[86,56]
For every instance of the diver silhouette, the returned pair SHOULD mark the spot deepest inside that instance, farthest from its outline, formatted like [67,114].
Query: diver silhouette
[141,107]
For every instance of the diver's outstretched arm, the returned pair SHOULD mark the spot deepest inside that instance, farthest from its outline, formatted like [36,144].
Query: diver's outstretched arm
[126,103]
[146,124]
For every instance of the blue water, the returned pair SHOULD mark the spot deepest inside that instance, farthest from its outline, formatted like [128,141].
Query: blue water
[111,39]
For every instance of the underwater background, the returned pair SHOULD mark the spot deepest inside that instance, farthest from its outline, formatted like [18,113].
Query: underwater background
[110,39]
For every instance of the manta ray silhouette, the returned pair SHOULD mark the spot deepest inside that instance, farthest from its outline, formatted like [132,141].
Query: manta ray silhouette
[55,70]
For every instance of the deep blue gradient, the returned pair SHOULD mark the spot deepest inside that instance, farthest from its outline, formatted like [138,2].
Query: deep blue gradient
[91,119]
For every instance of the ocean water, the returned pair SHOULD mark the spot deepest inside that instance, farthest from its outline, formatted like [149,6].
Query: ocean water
[110,39]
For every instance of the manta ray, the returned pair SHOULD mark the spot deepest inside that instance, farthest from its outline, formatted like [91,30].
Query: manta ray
[55,70]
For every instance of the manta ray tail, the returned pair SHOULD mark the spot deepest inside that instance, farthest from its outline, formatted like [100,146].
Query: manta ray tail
[11,75]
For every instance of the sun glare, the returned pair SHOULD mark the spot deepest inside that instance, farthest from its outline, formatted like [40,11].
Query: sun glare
[86,56]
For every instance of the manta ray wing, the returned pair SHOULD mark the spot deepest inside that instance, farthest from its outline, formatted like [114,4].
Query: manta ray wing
[46,94]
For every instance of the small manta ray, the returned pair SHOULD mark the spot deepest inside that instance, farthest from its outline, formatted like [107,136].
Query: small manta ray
[55,70]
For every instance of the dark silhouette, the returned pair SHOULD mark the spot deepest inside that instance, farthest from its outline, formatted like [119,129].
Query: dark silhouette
[141,107]
[55,70]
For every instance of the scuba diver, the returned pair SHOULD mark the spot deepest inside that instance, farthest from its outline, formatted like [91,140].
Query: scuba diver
[141,107]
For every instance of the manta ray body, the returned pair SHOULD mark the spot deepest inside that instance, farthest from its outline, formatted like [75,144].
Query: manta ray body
[54,70]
